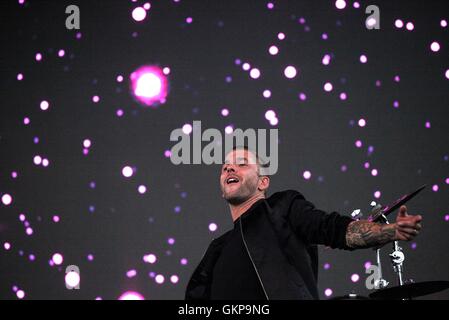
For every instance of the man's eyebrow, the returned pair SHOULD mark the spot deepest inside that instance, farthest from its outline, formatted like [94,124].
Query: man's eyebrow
[239,158]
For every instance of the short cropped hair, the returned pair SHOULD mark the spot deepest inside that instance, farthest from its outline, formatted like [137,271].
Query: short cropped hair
[260,162]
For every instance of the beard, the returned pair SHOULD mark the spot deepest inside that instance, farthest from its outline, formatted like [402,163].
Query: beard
[238,194]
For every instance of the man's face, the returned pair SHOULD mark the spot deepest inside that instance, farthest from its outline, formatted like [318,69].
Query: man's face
[239,177]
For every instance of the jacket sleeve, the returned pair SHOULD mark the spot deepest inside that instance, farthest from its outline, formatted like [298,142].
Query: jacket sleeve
[316,226]
[198,287]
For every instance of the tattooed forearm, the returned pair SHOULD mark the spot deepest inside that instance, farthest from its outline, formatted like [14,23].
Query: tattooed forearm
[365,234]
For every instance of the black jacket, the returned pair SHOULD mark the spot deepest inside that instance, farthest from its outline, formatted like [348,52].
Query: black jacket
[281,243]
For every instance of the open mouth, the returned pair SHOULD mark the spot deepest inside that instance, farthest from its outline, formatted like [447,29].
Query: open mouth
[232,180]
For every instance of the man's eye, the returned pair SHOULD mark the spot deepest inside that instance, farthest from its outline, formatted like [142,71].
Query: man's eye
[242,164]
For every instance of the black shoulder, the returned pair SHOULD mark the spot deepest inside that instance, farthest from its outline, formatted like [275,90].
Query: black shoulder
[284,196]
[220,239]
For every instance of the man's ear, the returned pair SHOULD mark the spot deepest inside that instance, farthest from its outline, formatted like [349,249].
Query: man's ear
[264,183]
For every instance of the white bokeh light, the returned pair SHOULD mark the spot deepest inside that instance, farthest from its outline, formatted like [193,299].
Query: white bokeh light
[270,114]
[139,14]
[362,122]
[87,143]
[20,294]
[72,279]
[142,189]
[150,258]
[273,50]
[355,277]
[326,59]
[274,121]
[160,279]
[149,85]
[398,23]
[127,171]
[6,199]
[340,4]
[290,72]
[187,128]
[57,259]
[254,73]
[435,46]
[174,279]
[45,162]
[44,105]
[371,22]
[212,227]
[229,129]
[307,175]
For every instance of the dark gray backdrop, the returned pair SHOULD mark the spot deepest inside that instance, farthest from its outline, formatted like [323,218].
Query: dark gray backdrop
[118,226]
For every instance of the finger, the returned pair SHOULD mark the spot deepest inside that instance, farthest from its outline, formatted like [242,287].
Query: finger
[410,231]
[409,219]
[402,211]
[418,218]
[418,226]
[406,224]
[404,236]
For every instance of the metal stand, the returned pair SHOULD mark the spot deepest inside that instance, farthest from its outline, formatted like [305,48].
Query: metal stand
[397,256]
[382,283]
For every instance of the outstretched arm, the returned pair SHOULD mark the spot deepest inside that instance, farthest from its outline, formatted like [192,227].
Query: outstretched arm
[365,234]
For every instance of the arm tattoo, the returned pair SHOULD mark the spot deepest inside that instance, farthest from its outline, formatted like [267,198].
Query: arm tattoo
[365,234]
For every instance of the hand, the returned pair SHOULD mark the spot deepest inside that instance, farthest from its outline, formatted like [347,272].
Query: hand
[407,227]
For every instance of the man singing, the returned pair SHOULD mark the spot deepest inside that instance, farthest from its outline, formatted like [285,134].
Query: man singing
[271,251]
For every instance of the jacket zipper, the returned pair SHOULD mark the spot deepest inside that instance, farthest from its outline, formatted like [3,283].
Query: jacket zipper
[250,258]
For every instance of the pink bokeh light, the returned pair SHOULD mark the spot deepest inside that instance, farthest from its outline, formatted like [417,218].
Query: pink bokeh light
[131,295]
[149,85]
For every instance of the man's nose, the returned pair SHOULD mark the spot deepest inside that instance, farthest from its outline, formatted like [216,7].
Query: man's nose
[230,168]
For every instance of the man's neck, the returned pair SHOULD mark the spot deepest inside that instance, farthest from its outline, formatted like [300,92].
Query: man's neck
[238,210]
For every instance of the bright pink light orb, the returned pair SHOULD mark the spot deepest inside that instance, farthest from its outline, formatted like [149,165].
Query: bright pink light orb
[149,85]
